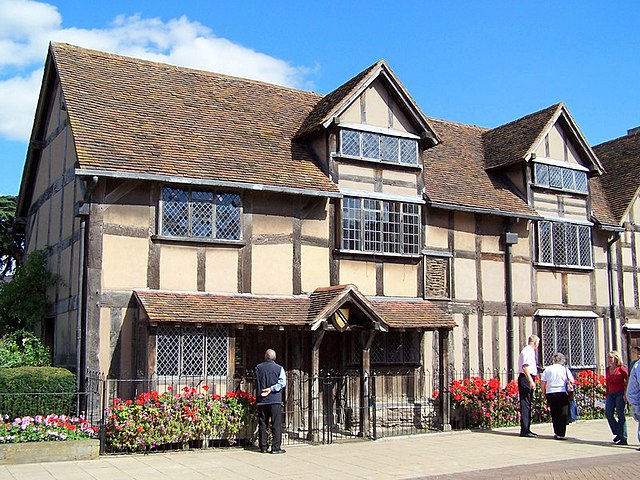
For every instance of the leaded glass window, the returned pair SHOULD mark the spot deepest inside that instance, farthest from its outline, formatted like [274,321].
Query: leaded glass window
[378,147]
[564,244]
[574,337]
[561,178]
[191,351]
[189,213]
[380,226]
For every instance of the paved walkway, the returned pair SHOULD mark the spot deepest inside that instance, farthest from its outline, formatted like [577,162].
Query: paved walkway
[501,453]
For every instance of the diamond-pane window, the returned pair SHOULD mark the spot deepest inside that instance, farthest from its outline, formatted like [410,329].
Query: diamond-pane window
[168,351]
[378,147]
[564,244]
[408,151]
[389,149]
[394,348]
[228,216]
[175,212]
[201,214]
[217,351]
[411,228]
[581,182]
[350,142]
[191,351]
[561,178]
[541,174]
[574,337]
[371,145]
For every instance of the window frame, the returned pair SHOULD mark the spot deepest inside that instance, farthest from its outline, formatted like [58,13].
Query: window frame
[177,335]
[365,145]
[568,346]
[551,232]
[394,222]
[555,176]
[407,341]
[195,203]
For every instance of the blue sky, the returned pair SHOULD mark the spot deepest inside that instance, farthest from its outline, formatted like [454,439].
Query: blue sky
[481,63]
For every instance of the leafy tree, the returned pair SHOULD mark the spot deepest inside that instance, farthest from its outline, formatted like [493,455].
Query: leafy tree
[23,300]
[23,349]
[11,242]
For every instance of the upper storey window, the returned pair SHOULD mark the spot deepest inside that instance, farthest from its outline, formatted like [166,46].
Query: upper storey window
[378,147]
[200,214]
[561,178]
[379,226]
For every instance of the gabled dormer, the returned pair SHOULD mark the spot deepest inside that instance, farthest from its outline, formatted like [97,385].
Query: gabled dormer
[370,134]
[548,159]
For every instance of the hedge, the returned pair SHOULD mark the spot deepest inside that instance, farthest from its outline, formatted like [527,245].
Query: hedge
[36,391]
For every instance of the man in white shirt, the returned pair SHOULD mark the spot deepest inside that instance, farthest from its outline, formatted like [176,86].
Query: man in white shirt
[527,373]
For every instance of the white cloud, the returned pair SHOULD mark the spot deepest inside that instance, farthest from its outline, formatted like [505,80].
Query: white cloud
[28,26]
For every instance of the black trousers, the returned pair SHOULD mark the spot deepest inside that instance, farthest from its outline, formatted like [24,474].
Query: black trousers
[525,393]
[559,407]
[270,412]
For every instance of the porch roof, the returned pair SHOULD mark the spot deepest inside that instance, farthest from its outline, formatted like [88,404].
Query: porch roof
[295,310]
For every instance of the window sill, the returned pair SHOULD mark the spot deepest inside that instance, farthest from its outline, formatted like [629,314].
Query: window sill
[376,255]
[386,163]
[198,241]
[548,266]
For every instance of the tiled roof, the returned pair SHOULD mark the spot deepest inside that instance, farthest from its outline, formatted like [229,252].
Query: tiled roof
[135,116]
[400,313]
[509,143]
[621,160]
[454,172]
[329,102]
[298,310]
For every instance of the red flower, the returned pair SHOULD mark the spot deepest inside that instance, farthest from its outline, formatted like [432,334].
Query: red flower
[206,388]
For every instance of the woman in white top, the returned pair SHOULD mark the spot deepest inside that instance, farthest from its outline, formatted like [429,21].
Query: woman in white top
[554,386]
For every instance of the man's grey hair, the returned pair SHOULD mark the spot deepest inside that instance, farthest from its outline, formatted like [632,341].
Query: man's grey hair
[534,339]
[558,358]
[270,354]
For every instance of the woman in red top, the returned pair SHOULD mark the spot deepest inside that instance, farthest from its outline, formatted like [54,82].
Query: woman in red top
[617,376]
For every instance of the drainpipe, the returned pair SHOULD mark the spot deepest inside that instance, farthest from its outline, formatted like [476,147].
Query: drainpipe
[612,307]
[509,238]
[83,213]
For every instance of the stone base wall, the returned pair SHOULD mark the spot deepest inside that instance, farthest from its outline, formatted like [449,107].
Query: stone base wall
[40,452]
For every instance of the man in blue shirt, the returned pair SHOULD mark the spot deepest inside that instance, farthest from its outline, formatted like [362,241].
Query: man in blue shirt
[270,382]
[633,390]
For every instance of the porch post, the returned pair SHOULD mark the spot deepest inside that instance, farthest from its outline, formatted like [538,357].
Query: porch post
[314,390]
[365,379]
[443,357]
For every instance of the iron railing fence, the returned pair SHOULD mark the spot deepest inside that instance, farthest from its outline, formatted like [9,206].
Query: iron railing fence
[325,408]
[586,398]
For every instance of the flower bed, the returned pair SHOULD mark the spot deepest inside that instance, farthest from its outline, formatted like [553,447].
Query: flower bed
[153,420]
[484,403]
[45,429]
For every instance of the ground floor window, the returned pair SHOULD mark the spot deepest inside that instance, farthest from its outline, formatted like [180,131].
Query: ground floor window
[394,348]
[574,337]
[190,350]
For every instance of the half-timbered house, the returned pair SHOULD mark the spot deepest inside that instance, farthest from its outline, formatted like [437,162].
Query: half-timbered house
[197,219]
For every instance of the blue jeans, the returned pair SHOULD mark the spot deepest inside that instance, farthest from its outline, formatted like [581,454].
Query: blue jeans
[615,402]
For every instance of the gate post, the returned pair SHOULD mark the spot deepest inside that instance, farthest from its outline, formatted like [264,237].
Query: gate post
[445,403]
[365,400]
[314,388]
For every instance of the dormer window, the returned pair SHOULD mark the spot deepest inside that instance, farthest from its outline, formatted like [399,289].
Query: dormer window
[558,177]
[379,147]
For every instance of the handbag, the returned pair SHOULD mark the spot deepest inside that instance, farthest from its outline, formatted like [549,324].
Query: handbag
[573,413]
[568,385]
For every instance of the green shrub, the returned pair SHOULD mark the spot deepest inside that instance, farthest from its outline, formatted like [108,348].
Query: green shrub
[36,391]
[23,349]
